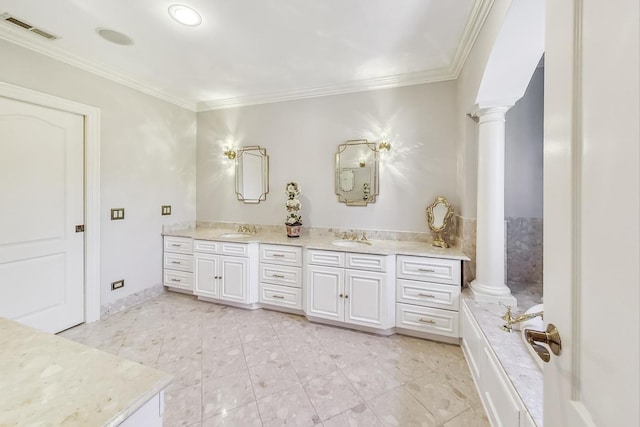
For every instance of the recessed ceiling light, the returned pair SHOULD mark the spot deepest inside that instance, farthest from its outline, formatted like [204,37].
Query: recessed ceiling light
[185,15]
[114,36]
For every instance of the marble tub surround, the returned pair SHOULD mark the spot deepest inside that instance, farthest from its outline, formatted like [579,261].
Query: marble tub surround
[524,250]
[262,368]
[466,241]
[380,242]
[522,370]
[49,380]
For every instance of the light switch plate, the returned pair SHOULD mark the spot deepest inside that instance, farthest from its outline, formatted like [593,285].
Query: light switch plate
[166,209]
[117,213]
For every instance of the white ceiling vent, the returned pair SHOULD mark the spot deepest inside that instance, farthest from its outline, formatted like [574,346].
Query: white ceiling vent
[5,17]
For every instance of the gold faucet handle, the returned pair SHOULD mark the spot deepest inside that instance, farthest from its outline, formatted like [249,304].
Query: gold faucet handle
[344,236]
[507,316]
[364,237]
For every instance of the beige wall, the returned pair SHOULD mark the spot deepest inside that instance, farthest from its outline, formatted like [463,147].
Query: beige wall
[147,160]
[301,138]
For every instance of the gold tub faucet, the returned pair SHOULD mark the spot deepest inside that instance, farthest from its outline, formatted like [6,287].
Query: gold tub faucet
[511,320]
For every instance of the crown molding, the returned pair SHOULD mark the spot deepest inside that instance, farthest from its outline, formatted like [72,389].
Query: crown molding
[399,80]
[477,17]
[48,48]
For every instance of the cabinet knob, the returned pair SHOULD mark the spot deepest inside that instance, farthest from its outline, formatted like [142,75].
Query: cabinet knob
[346,296]
[341,296]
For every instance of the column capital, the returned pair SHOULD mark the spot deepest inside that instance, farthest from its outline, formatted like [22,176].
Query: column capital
[490,113]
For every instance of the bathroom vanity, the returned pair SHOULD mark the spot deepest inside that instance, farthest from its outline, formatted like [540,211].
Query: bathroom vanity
[380,286]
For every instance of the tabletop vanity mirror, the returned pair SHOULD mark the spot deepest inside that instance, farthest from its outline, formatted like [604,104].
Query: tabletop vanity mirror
[356,178]
[252,174]
[439,216]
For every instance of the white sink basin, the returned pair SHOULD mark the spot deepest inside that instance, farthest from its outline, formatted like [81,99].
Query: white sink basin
[350,243]
[233,235]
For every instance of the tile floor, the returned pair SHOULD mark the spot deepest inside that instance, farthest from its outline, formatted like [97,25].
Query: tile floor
[236,367]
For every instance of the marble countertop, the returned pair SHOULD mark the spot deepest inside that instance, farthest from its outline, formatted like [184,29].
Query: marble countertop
[50,380]
[522,370]
[324,242]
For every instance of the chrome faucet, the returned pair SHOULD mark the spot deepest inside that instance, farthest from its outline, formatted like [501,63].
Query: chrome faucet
[508,327]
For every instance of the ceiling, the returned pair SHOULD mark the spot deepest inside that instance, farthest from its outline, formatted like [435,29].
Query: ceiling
[256,51]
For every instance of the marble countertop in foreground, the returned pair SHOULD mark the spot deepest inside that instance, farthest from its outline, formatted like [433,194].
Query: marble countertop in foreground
[509,347]
[324,242]
[50,380]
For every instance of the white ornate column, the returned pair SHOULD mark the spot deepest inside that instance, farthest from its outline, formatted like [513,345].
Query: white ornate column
[489,284]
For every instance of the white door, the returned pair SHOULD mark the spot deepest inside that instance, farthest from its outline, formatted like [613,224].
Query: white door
[325,292]
[41,192]
[364,298]
[592,212]
[234,280]
[206,275]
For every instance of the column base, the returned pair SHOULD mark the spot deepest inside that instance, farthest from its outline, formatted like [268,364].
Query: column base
[484,293]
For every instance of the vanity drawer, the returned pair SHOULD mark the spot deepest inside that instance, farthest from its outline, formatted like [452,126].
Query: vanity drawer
[368,262]
[429,269]
[424,319]
[178,262]
[206,246]
[235,249]
[281,275]
[183,245]
[178,279]
[428,294]
[328,258]
[223,248]
[279,254]
[281,295]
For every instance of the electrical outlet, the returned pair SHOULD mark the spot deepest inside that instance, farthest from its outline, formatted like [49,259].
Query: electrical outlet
[117,285]
[117,213]
[166,209]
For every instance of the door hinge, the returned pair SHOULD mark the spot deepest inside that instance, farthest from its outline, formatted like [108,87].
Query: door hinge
[80,228]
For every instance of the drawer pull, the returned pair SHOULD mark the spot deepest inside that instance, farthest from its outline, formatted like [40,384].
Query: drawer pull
[278,296]
[427,270]
[429,321]
[175,262]
[176,280]
[176,245]
[278,255]
[279,276]
[426,295]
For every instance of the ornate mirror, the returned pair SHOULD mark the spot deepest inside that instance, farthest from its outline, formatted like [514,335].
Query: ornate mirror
[252,174]
[356,179]
[439,215]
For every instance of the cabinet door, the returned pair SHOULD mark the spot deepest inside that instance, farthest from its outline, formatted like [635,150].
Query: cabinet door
[325,292]
[234,279]
[364,298]
[206,275]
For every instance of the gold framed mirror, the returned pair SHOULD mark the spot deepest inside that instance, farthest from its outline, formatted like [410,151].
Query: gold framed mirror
[356,174]
[439,214]
[252,174]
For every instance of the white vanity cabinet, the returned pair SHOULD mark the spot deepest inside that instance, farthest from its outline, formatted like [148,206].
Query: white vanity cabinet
[353,288]
[177,271]
[223,271]
[428,295]
[501,401]
[281,276]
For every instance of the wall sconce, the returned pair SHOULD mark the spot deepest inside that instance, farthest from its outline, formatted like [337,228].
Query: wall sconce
[229,153]
[384,145]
